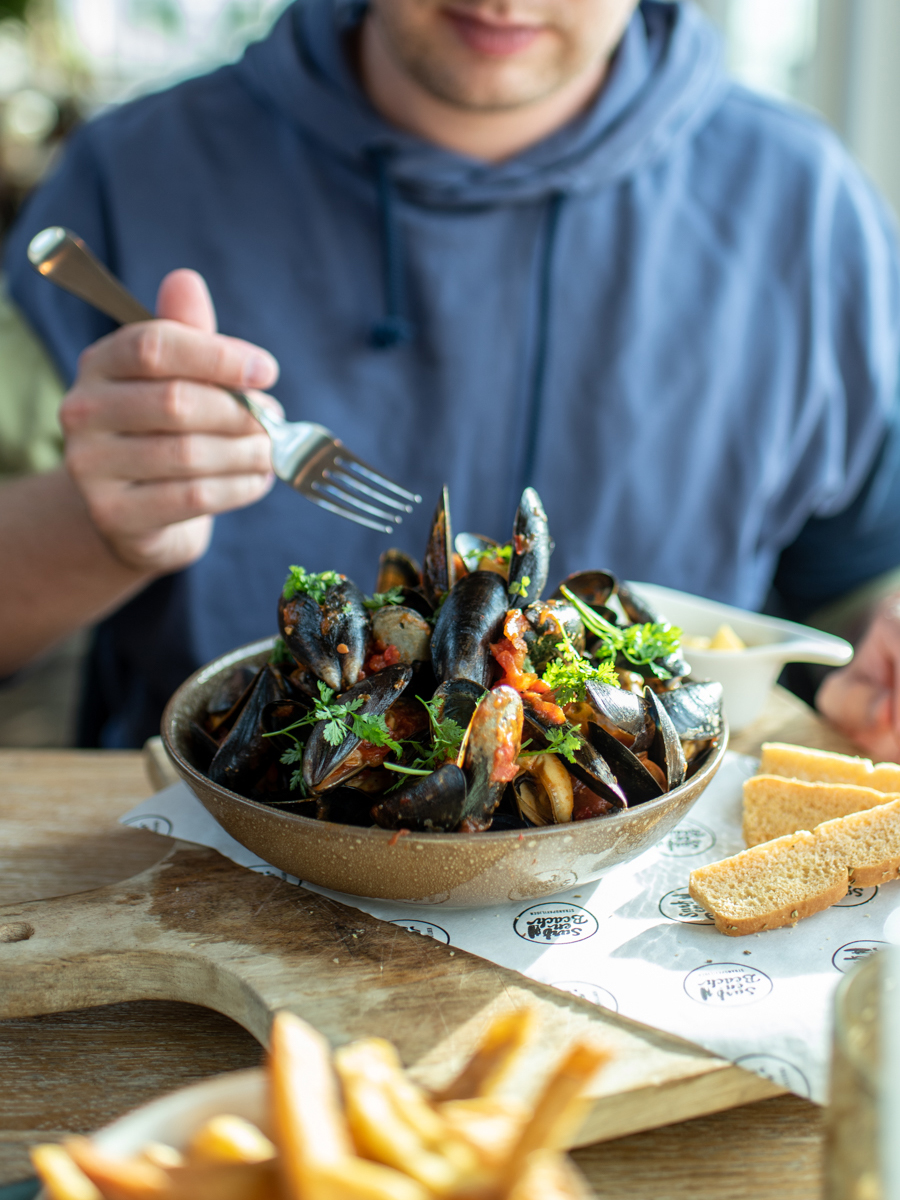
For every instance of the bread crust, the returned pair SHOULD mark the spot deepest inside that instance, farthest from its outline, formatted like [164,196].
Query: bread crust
[790,914]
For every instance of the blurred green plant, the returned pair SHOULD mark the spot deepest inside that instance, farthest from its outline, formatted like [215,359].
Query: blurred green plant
[13,8]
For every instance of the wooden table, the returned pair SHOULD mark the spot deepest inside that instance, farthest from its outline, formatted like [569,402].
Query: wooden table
[75,1071]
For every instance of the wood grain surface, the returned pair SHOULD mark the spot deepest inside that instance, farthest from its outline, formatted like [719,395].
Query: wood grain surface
[77,1070]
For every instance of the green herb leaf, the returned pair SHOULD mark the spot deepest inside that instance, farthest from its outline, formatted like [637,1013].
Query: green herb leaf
[570,673]
[300,582]
[380,599]
[642,645]
[563,741]
[519,587]
[375,730]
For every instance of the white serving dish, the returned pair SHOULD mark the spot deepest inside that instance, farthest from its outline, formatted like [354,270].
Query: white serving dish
[747,675]
[174,1118]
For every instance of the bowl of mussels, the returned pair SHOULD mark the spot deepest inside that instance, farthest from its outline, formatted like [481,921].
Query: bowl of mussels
[460,737]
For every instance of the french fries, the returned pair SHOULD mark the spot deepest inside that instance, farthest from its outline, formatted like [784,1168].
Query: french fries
[355,1126]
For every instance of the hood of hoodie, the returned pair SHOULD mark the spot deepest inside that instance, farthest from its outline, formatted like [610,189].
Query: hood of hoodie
[665,80]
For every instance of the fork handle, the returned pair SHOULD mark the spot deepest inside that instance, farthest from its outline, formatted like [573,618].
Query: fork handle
[63,258]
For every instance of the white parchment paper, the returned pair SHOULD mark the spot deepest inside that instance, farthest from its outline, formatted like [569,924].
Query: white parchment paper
[635,942]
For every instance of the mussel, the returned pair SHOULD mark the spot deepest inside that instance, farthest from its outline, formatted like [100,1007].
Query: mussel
[330,638]
[470,619]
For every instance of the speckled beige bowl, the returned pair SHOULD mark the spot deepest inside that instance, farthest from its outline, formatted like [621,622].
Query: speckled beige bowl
[457,870]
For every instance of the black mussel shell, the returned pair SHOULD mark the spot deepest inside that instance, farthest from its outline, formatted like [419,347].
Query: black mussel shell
[593,587]
[530,561]
[665,749]
[458,700]
[631,775]
[638,611]
[313,633]
[623,710]
[589,765]
[545,620]
[695,710]
[438,573]
[470,619]
[246,753]
[397,569]
[435,802]
[204,747]
[379,692]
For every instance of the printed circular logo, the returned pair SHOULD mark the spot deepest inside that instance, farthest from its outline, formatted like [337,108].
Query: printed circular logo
[556,924]
[690,837]
[427,929]
[681,906]
[776,1069]
[151,821]
[541,884]
[588,991]
[856,896]
[844,958]
[727,985]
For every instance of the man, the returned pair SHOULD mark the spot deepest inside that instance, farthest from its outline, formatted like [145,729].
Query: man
[497,242]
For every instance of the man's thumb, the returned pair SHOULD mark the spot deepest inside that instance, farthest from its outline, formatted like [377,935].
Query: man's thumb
[183,296]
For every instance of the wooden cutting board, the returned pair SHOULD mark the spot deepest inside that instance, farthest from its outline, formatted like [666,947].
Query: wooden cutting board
[194,927]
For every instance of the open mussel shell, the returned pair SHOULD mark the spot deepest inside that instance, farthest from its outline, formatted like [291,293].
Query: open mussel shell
[470,619]
[397,569]
[593,587]
[530,561]
[435,802]
[480,553]
[313,633]
[438,573]
[458,700]
[246,752]
[455,871]
[665,749]
[631,775]
[325,765]
[397,625]
[544,792]
[618,708]
[548,620]
[695,709]
[589,765]
[488,754]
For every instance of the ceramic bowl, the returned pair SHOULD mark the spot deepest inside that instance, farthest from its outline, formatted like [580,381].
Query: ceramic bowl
[173,1119]
[747,675]
[457,870]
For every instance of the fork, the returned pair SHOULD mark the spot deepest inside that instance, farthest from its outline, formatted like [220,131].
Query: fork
[305,455]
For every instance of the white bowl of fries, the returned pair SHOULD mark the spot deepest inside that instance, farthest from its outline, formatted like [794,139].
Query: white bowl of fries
[348,1126]
[744,651]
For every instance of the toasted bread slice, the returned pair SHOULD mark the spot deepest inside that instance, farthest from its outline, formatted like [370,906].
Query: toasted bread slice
[868,842]
[780,882]
[768,886]
[775,806]
[822,766]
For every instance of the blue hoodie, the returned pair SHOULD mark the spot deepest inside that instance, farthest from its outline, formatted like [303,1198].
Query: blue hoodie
[678,318]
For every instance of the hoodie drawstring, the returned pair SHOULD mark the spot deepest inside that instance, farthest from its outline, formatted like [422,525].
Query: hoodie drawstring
[535,407]
[394,328]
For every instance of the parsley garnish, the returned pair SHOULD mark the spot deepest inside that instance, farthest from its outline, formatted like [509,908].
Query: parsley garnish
[499,554]
[367,728]
[563,741]
[642,645]
[380,599]
[519,587]
[568,674]
[300,582]
[446,739]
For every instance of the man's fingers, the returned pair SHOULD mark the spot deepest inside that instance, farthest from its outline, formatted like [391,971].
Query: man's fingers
[132,510]
[154,457]
[170,350]
[183,296]
[159,406]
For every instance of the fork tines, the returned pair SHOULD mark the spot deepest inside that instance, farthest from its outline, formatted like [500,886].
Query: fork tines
[341,484]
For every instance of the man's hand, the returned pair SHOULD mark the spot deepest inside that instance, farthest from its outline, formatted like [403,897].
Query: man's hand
[153,446]
[863,699]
